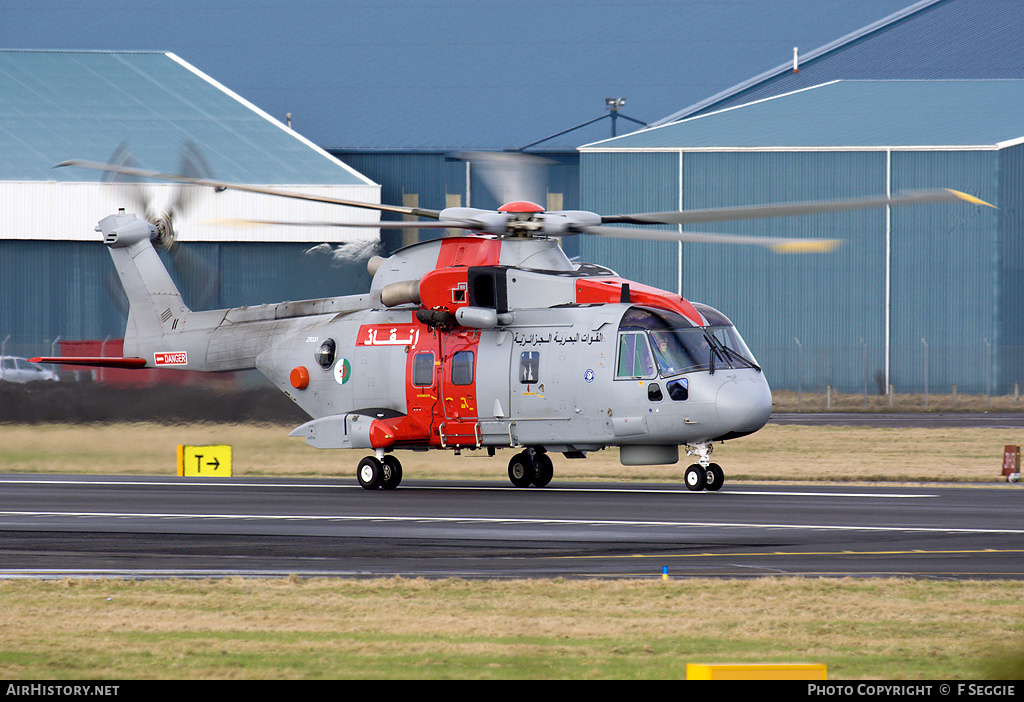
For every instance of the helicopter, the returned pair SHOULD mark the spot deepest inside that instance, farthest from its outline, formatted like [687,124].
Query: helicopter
[488,339]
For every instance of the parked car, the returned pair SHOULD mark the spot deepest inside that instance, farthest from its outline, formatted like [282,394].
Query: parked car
[20,370]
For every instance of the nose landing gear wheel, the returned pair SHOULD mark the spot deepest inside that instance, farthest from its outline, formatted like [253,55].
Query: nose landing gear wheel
[695,477]
[714,478]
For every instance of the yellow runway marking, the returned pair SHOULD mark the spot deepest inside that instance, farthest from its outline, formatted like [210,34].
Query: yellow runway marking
[733,554]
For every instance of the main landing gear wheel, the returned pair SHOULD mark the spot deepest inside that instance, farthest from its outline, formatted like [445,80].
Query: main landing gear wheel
[521,470]
[392,473]
[370,473]
[530,467]
[376,473]
[543,469]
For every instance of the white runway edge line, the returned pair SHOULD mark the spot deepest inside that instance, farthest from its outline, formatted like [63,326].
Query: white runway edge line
[503,488]
[502,520]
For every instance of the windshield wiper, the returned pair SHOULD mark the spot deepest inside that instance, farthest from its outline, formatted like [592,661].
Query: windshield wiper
[726,352]
[713,349]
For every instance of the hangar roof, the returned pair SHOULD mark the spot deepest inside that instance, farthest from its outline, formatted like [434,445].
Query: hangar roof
[61,105]
[927,40]
[853,114]
[439,74]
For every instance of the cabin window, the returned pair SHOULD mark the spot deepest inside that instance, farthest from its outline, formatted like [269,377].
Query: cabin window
[462,368]
[325,353]
[635,359]
[423,370]
[529,367]
[679,390]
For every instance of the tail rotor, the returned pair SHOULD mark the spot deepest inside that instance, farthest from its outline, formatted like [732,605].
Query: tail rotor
[199,277]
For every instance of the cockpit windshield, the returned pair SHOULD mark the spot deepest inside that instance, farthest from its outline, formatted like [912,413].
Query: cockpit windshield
[678,346]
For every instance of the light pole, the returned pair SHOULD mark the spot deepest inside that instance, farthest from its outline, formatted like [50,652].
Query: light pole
[613,105]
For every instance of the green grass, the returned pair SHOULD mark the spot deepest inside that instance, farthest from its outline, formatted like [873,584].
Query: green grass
[456,629]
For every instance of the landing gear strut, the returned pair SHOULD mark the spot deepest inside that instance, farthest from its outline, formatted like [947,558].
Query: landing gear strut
[530,467]
[703,475]
[384,472]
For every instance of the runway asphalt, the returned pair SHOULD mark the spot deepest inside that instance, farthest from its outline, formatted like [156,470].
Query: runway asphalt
[56,526]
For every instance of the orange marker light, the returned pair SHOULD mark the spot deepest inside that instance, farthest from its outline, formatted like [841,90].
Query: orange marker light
[299,377]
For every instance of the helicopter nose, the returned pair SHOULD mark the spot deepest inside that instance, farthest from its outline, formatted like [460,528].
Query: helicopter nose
[744,405]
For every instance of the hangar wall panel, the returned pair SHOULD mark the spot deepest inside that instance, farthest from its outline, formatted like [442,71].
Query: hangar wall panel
[832,304]
[1011,265]
[618,184]
[428,176]
[944,273]
[56,289]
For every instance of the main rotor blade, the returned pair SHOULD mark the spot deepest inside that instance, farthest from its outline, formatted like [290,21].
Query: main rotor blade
[726,214]
[383,224]
[220,185]
[777,245]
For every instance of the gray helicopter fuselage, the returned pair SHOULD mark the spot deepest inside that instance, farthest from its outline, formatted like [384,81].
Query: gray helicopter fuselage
[548,379]
[468,342]
[541,371]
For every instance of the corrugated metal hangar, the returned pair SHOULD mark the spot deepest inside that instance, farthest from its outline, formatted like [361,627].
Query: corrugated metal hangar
[919,288]
[941,280]
[919,298]
[153,108]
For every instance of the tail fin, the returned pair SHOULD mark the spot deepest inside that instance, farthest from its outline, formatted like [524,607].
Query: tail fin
[155,304]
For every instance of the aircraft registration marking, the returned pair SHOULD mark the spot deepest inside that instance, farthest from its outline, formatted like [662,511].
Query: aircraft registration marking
[388,335]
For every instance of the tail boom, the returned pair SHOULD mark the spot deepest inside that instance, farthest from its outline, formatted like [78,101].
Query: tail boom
[162,332]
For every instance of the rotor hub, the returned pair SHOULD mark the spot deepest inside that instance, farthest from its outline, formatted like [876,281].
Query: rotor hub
[522,221]
[519,207]
[164,231]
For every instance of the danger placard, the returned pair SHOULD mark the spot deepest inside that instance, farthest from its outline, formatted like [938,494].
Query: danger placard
[170,358]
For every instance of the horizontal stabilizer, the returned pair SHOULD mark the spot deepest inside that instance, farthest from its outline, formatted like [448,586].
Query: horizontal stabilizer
[97,361]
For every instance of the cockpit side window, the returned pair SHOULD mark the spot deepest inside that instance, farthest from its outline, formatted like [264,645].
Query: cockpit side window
[635,359]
